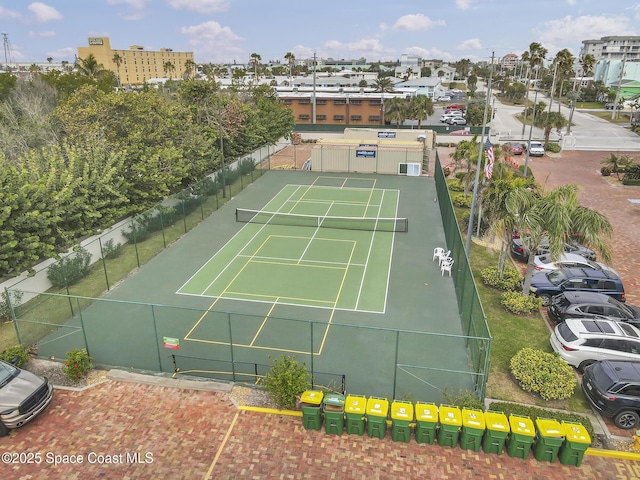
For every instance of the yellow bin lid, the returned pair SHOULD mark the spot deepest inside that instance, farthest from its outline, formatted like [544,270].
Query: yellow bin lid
[402,411]
[473,418]
[521,425]
[575,432]
[549,428]
[450,415]
[496,421]
[378,407]
[427,412]
[312,397]
[355,404]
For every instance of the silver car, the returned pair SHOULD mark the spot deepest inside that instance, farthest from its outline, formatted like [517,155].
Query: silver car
[581,341]
[23,396]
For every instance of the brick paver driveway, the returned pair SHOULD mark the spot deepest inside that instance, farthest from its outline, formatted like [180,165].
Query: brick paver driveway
[130,431]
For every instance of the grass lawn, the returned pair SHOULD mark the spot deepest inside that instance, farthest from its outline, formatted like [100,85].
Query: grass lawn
[606,115]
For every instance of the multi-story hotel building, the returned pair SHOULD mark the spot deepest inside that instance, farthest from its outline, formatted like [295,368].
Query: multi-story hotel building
[137,65]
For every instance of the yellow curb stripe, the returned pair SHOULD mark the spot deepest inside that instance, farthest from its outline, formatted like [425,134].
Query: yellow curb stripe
[598,452]
[273,411]
[224,441]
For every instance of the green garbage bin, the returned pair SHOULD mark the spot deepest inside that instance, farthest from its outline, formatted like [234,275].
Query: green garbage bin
[450,423]
[354,409]
[495,435]
[311,403]
[577,440]
[549,439]
[401,420]
[333,407]
[377,410]
[521,438]
[473,426]
[426,422]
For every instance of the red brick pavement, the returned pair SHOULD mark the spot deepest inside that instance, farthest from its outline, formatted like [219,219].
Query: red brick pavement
[198,435]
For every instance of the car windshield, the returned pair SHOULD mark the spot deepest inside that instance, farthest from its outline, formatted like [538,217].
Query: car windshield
[601,377]
[556,277]
[566,333]
[544,259]
[621,306]
[7,372]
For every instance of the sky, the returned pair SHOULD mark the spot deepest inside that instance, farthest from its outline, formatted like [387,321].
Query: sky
[227,31]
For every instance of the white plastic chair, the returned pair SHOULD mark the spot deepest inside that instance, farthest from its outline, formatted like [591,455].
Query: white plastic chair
[437,253]
[443,257]
[446,266]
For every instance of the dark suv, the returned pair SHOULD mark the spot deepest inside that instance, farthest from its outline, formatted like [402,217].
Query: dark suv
[546,285]
[591,305]
[613,388]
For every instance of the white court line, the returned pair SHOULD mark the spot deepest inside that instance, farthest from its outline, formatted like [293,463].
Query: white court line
[257,257]
[393,241]
[366,263]
[314,234]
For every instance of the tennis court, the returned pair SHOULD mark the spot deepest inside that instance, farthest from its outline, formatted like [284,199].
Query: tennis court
[324,267]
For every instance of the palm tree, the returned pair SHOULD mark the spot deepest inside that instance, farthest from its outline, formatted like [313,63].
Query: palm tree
[189,67]
[420,107]
[89,67]
[552,217]
[548,121]
[291,60]
[617,163]
[117,59]
[396,110]
[587,63]
[255,60]
[168,67]
[534,57]
[383,85]
[49,59]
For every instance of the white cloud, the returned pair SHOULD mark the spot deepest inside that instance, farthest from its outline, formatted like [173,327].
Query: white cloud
[300,51]
[463,4]
[566,30]
[415,22]
[134,4]
[49,33]
[636,11]
[471,44]
[367,47]
[214,42]
[428,53]
[202,6]
[572,2]
[6,13]
[44,12]
[383,26]
[61,54]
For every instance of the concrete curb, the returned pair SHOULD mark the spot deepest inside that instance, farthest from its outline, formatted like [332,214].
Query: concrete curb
[163,380]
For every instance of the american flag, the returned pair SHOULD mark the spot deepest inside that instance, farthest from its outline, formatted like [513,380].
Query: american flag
[488,168]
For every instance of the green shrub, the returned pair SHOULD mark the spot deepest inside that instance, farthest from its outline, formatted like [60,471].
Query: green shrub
[285,381]
[632,172]
[520,304]
[463,399]
[111,250]
[138,231]
[543,373]
[77,365]
[246,166]
[18,352]
[69,270]
[511,278]
[535,412]
[628,181]
[455,185]
[553,147]
[13,300]
[461,201]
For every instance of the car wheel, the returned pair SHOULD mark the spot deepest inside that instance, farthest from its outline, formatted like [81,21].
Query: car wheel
[3,429]
[546,299]
[627,419]
[585,364]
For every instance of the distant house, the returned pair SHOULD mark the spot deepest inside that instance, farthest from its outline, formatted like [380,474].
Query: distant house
[429,86]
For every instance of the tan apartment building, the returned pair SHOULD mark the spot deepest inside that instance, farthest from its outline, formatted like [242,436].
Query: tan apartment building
[138,65]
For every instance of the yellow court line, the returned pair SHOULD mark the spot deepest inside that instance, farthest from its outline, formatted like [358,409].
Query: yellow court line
[270,262]
[303,195]
[186,337]
[259,295]
[264,320]
[221,447]
[257,347]
[333,311]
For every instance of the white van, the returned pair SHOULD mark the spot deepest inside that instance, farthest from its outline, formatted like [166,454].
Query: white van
[536,149]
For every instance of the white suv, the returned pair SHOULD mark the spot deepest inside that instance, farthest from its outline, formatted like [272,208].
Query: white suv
[536,149]
[583,341]
[448,116]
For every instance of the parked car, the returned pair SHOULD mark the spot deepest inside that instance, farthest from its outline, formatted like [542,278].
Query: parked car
[583,341]
[544,262]
[613,388]
[545,285]
[611,105]
[591,305]
[447,116]
[457,121]
[23,396]
[455,106]
[444,98]
[513,148]
[536,149]
[520,252]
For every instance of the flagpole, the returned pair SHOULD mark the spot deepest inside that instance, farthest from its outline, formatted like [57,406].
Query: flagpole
[481,150]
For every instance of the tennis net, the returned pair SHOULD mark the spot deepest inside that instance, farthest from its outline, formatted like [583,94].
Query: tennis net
[346,223]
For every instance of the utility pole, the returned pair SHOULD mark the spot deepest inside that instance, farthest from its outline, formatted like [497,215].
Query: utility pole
[479,165]
[313,100]
[553,86]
